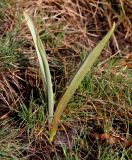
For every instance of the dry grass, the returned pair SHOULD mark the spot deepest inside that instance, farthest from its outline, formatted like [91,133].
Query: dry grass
[69,30]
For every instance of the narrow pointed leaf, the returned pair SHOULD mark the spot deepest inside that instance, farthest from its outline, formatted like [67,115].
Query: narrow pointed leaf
[79,76]
[44,67]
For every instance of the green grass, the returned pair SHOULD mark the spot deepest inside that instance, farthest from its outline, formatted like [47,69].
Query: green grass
[10,56]
[32,115]
[10,146]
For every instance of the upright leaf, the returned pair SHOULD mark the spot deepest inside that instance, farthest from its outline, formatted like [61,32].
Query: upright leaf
[79,76]
[43,62]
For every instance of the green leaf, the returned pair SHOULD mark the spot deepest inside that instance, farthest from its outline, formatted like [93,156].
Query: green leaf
[44,67]
[3,153]
[79,76]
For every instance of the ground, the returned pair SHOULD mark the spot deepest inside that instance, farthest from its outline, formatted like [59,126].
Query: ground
[97,123]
